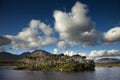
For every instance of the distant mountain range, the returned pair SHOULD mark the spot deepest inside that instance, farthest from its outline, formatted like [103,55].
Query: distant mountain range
[10,56]
[108,61]
[42,53]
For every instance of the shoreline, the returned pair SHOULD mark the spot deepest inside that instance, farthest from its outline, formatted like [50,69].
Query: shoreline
[107,65]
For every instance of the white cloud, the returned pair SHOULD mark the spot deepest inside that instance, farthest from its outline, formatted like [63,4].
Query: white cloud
[68,52]
[104,53]
[112,35]
[62,45]
[36,35]
[55,51]
[82,54]
[71,53]
[75,27]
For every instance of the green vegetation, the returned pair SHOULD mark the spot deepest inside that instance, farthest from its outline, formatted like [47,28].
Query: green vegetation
[32,58]
[10,62]
[67,67]
[60,62]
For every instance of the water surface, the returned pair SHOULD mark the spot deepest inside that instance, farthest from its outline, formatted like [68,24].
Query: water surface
[101,73]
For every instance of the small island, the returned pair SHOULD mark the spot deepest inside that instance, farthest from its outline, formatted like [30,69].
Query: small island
[41,60]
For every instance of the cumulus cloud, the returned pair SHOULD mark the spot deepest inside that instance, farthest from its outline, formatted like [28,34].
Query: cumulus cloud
[112,35]
[4,41]
[55,51]
[104,53]
[62,45]
[76,27]
[68,52]
[36,35]
[82,54]
[71,53]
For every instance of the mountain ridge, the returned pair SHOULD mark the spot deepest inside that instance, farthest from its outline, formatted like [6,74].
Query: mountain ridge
[11,56]
[108,61]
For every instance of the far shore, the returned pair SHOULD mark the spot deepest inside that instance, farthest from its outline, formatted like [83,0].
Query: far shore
[7,67]
[107,65]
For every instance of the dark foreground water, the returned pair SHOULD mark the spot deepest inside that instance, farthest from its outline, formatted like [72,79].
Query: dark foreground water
[101,73]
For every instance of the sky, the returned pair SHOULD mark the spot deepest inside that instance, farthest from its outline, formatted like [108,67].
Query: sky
[86,27]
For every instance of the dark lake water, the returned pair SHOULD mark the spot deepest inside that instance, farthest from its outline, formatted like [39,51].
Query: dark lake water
[101,73]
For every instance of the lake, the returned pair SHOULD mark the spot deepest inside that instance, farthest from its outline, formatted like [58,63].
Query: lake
[101,73]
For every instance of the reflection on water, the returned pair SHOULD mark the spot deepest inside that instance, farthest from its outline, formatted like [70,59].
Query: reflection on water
[101,73]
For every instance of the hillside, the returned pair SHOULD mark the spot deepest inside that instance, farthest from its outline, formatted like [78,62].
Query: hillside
[41,57]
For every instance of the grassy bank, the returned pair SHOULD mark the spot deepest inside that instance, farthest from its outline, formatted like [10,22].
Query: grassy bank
[10,62]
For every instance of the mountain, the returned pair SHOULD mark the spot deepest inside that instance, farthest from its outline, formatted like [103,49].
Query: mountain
[40,53]
[8,56]
[108,61]
[23,55]
[41,57]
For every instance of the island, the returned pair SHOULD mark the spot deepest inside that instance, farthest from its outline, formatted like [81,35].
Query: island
[41,60]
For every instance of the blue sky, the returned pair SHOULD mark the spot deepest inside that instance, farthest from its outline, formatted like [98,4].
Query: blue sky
[15,15]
